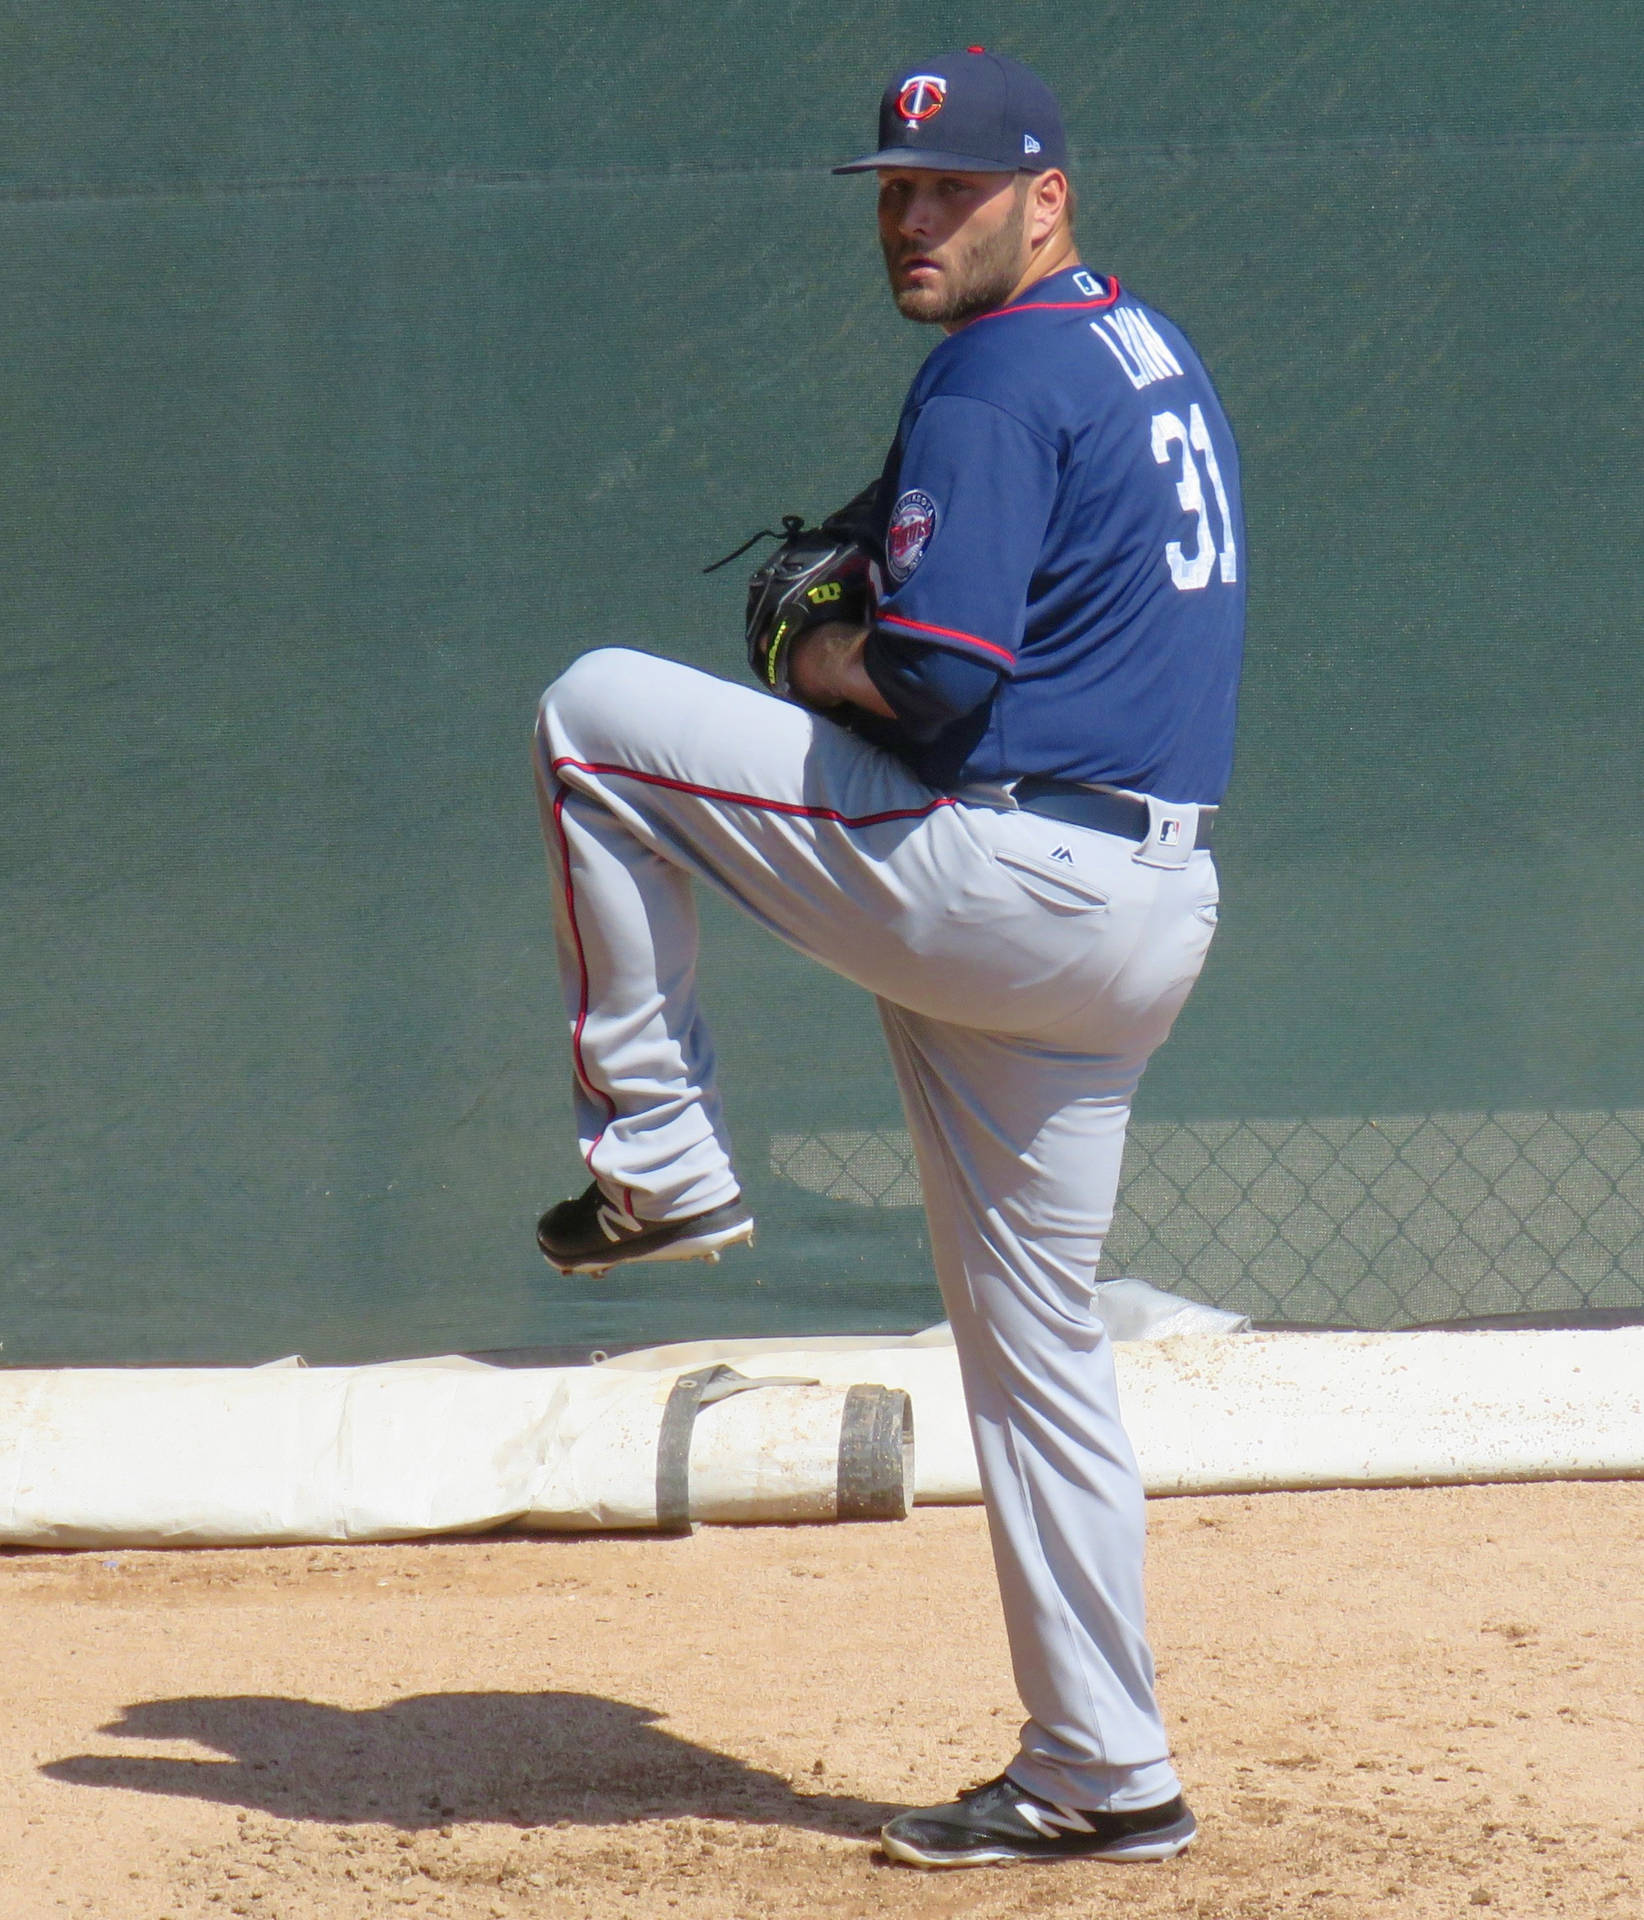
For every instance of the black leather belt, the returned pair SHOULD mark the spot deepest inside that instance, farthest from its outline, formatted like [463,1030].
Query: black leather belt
[1118,813]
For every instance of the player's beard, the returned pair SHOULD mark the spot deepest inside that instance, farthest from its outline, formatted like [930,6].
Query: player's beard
[975,280]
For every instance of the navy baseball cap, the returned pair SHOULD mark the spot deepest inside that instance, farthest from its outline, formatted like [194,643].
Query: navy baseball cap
[969,112]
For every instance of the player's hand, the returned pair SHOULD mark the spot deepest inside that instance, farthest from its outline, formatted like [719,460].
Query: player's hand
[819,576]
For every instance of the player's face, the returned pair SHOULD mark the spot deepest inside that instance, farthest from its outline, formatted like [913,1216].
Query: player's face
[955,244]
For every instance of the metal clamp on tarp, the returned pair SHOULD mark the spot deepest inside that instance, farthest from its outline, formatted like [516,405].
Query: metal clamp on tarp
[876,1454]
[875,1463]
[691,1393]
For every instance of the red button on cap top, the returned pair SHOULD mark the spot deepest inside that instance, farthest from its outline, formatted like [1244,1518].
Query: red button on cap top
[976,49]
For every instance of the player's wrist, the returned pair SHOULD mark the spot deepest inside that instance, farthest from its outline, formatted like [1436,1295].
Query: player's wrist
[820,663]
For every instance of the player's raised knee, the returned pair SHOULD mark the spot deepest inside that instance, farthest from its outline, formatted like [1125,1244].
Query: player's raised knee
[603,673]
[595,691]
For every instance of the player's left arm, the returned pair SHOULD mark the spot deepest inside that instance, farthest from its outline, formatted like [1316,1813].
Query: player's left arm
[964,535]
[976,487]
[825,669]
[966,532]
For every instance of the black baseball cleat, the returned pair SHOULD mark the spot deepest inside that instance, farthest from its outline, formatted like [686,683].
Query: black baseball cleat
[999,1822]
[589,1235]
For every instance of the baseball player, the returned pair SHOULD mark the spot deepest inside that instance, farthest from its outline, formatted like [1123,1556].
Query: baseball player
[986,795]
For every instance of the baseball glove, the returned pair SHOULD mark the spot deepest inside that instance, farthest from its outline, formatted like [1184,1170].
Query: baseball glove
[815,575]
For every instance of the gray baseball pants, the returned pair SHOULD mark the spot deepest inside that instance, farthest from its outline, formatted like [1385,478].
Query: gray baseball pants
[1024,971]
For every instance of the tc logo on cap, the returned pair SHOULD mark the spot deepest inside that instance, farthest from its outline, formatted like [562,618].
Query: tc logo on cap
[922,97]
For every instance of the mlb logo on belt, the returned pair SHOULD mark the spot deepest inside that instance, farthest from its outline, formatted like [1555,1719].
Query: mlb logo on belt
[911,530]
[1170,832]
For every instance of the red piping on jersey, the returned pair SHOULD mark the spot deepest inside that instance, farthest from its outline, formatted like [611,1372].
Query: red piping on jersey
[730,798]
[947,633]
[1056,306]
[581,1020]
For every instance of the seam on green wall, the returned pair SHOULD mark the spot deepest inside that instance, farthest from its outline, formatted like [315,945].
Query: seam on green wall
[1168,152]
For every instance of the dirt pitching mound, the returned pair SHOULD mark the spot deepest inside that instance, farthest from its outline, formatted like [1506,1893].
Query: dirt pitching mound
[1411,1703]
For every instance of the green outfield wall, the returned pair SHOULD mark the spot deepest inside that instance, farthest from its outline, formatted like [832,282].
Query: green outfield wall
[363,365]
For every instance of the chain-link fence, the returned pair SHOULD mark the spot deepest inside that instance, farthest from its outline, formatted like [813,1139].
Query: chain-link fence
[1374,1222]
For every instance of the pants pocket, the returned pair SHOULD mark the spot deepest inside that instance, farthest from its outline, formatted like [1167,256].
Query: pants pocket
[1060,887]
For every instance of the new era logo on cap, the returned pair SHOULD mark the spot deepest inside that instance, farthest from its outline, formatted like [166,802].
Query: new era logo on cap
[1030,145]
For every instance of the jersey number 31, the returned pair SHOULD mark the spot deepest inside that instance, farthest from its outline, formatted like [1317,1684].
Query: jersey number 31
[1192,570]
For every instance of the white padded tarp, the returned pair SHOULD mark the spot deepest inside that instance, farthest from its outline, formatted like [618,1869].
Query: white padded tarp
[1270,1410]
[196,1457]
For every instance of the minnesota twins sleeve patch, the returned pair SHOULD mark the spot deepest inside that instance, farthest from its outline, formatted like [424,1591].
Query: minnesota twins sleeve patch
[911,530]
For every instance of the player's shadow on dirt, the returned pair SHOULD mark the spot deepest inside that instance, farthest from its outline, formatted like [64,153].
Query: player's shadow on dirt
[525,1759]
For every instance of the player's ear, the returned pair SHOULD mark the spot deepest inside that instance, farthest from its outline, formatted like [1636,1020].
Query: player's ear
[1049,198]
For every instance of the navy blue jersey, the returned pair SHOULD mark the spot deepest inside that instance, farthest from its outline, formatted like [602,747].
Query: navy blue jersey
[1061,506]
